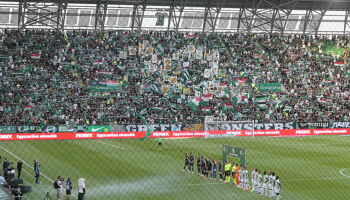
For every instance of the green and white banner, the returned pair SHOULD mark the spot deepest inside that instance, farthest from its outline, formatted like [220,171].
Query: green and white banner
[269,87]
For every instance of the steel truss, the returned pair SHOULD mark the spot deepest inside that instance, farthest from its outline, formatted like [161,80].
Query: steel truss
[101,11]
[137,15]
[313,19]
[42,13]
[211,14]
[346,22]
[176,6]
[266,20]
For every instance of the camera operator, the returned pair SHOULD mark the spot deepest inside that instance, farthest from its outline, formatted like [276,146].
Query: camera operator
[5,164]
[37,171]
[9,173]
[17,193]
[2,180]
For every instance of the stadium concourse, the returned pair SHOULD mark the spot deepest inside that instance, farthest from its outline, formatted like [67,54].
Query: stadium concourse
[112,77]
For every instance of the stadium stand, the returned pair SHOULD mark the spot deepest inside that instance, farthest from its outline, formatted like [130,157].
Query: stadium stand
[83,77]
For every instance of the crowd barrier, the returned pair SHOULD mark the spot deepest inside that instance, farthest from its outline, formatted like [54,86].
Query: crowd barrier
[174,134]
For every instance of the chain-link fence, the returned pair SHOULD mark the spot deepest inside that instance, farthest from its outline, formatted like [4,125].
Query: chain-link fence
[314,167]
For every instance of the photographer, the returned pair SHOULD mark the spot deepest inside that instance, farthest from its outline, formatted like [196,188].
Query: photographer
[58,187]
[17,193]
[37,171]
[68,188]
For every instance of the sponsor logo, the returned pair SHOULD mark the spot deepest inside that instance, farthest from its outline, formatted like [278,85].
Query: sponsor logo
[5,137]
[97,129]
[161,134]
[83,135]
[303,132]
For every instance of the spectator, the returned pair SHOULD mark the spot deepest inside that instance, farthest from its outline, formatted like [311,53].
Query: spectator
[81,189]
[19,168]
[2,180]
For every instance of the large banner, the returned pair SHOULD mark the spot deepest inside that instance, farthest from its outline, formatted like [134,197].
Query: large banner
[173,127]
[269,87]
[249,126]
[159,127]
[37,129]
[8,129]
[174,134]
[314,125]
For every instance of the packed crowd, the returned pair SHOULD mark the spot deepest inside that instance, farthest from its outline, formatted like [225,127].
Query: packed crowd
[263,183]
[81,77]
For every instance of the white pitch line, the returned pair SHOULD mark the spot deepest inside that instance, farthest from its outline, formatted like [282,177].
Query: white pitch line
[112,145]
[312,179]
[49,179]
[197,184]
[342,173]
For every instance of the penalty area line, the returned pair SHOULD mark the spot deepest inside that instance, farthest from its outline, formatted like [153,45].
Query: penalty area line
[112,145]
[341,172]
[18,158]
[312,179]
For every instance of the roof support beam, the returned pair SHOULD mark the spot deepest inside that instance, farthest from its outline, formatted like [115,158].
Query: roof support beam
[313,18]
[346,21]
[42,13]
[176,6]
[101,11]
[211,14]
[137,15]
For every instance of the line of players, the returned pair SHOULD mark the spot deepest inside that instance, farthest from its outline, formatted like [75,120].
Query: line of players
[261,183]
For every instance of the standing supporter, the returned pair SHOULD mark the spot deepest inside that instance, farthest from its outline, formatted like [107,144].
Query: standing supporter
[81,189]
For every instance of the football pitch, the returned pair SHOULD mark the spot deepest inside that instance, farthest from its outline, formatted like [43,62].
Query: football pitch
[310,168]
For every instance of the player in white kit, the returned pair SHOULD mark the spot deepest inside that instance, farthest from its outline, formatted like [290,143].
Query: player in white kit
[277,188]
[265,189]
[246,179]
[273,185]
[270,184]
[252,179]
[259,182]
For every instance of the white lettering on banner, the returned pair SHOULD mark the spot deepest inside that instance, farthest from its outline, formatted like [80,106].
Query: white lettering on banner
[49,136]
[303,132]
[161,134]
[127,135]
[249,126]
[32,136]
[234,133]
[107,135]
[5,136]
[155,127]
[83,135]
[340,125]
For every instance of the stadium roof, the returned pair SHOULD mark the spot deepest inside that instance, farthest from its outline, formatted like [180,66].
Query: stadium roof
[262,4]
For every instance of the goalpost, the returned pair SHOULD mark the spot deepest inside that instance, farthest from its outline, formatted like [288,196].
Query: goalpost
[214,123]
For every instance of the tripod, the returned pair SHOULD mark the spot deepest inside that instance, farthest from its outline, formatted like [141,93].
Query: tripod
[47,197]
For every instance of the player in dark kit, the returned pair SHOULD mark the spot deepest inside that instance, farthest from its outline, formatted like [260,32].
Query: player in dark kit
[190,162]
[186,162]
[209,167]
[204,166]
[220,170]
[199,160]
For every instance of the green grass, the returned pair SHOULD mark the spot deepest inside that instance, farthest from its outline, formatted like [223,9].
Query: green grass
[309,167]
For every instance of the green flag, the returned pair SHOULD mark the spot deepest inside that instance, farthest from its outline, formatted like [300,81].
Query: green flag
[149,129]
